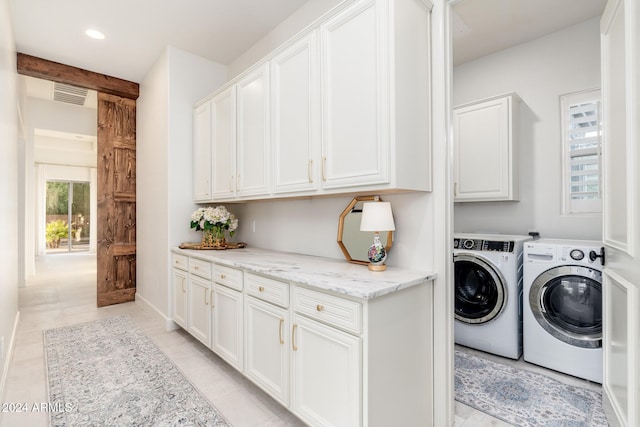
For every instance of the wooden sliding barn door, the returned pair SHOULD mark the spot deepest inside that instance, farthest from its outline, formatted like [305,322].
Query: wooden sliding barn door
[116,262]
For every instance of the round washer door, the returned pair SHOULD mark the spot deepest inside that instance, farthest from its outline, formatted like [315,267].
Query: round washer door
[567,302]
[480,289]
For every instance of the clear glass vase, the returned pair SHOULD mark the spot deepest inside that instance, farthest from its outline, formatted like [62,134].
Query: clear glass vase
[213,238]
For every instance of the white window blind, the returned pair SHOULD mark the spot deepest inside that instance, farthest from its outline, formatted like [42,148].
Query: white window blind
[582,155]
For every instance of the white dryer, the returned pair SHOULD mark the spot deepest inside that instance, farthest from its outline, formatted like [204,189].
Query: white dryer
[488,292]
[563,306]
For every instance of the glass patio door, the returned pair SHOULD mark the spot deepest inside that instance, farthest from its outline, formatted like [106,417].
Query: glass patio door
[67,216]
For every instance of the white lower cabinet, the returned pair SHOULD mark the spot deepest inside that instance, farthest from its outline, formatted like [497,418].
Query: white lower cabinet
[326,374]
[227,325]
[180,279]
[331,359]
[267,347]
[199,313]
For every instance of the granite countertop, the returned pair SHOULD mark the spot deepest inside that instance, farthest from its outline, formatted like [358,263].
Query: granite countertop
[323,273]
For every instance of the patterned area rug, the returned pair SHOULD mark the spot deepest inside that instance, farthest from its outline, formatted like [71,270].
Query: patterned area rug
[109,373]
[524,398]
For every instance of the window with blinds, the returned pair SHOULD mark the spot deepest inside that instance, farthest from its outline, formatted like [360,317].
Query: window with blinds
[581,137]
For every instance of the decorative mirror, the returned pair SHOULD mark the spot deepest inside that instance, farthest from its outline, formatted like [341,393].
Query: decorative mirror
[353,242]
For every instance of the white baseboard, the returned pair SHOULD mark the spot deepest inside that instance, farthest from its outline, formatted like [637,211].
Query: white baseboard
[146,305]
[8,355]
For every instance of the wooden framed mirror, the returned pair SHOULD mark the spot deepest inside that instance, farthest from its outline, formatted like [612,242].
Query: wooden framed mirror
[353,242]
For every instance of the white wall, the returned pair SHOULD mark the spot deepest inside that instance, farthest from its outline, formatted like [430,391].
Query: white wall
[164,200]
[539,72]
[296,22]
[9,136]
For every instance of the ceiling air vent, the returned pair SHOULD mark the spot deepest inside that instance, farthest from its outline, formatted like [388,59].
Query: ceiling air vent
[70,94]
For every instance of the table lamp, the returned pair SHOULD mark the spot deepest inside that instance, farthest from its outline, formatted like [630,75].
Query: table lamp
[377,217]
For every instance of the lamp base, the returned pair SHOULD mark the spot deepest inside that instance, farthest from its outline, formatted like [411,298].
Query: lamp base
[381,267]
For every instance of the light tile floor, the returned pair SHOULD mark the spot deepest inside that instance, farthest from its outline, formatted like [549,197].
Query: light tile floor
[63,293]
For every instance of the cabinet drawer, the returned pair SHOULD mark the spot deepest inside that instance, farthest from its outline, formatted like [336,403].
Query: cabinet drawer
[180,262]
[328,308]
[200,268]
[227,276]
[266,289]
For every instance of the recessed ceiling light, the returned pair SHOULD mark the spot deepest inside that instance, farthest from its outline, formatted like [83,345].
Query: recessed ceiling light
[94,34]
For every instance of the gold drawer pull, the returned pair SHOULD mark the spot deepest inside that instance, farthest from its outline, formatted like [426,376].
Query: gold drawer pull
[280,331]
[293,337]
[261,288]
[324,167]
[319,307]
[206,301]
[195,267]
[183,288]
[310,171]
[222,276]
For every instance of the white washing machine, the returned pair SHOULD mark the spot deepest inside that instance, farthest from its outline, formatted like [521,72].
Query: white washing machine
[488,292]
[562,316]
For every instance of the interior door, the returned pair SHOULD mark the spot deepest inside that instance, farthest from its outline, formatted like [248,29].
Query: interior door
[116,263]
[620,34]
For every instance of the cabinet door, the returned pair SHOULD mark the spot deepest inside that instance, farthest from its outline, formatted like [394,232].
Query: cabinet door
[267,348]
[227,325]
[223,144]
[326,374]
[199,313]
[483,148]
[253,133]
[295,116]
[179,280]
[202,152]
[355,104]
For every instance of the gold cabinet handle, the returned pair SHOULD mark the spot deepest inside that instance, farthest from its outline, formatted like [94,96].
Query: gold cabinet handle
[455,188]
[319,307]
[184,290]
[324,168]
[195,267]
[261,288]
[280,331]
[206,302]
[222,276]
[310,170]
[293,337]
[211,299]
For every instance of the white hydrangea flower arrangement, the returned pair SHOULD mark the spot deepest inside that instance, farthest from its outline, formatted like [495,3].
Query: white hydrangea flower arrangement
[214,221]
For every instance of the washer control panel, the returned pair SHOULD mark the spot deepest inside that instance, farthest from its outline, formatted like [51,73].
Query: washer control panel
[484,245]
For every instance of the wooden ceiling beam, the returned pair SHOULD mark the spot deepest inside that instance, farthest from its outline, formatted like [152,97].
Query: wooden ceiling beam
[44,69]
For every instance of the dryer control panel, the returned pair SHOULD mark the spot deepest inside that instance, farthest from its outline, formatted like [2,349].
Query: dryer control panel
[484,245]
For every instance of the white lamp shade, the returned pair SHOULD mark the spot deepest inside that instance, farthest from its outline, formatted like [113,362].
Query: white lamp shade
[377,216]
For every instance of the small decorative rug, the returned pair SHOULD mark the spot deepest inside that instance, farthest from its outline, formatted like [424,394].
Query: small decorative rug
[523,398]
[109,373]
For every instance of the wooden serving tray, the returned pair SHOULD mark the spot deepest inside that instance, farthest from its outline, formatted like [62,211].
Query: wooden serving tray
[198,246]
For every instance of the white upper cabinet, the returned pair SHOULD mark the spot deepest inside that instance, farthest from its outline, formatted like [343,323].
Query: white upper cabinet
[355,145]
[347,107]
[202,152]
[375,96]
[295,106]
[253,150]
[486,150]
[223,144]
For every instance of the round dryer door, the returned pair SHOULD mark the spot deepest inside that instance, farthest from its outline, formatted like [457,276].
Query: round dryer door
[480,290]
[567,302]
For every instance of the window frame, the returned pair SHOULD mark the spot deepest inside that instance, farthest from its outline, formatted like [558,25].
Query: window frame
[572,206]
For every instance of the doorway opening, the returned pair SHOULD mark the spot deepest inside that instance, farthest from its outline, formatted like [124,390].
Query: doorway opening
[68,213]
